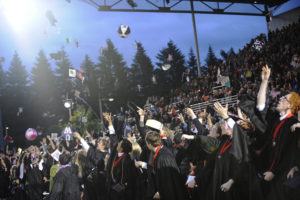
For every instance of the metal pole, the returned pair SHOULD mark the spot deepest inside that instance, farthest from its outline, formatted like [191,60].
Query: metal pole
[267,16]
[100,103]
[195,36]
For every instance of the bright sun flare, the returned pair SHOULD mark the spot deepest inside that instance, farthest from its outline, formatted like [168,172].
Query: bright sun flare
[19,13]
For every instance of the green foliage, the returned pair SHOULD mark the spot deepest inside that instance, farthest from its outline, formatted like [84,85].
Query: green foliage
[77,122]
[192,63]
[228,54]
[16,95]
[172,77]
[113,75]
[90,86]
[2,81]
[44,94]
[141,73]
[211,58]
[64,84]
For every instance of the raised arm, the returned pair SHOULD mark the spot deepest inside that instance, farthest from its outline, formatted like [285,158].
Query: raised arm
[51,142]
[85,145]
[141,122]
[201,129]
[261,96]
[92,140]
[112,133]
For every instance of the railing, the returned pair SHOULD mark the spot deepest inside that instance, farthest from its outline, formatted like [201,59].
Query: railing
[230,100]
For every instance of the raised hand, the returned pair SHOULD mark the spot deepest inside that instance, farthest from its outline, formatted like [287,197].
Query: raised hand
[140,111]
[180,117]
[265,73]
[223,112]
[107,116]
[77,135]
[187,137]
[190,113]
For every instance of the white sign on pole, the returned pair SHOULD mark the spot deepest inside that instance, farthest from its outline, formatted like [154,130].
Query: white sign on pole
[67,133]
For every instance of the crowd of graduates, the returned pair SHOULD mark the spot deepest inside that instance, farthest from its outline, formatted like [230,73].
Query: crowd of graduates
[167,151]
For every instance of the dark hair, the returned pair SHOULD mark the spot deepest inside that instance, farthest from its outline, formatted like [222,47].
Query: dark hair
[153,138]
[177,138]
[64,158]
[126,146]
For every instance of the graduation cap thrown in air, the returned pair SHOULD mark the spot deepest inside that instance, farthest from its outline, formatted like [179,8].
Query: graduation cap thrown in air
[51,17]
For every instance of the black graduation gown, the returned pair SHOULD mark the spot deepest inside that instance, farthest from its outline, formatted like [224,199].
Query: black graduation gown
[277,157]
[66,184]
[226,167]
[94,186]
[34,186]
[165,177]
[4,182]
[123,173]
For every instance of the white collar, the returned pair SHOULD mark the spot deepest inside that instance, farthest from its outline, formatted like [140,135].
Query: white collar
[156,148]
[120,154]
[284,116]
[200,120]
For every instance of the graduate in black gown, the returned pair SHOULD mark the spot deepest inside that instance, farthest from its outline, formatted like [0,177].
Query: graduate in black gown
[94,183]
[227,181]
[280,146]
[4,175]
[34,179]
[164,179]
[120,174]
[66,182]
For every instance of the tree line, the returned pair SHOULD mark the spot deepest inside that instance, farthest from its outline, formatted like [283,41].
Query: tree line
[36,99]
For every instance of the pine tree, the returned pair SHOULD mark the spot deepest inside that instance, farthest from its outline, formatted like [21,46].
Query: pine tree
[113,74]
[64,83]
[16,96]
[172,77]
[141,73]
[224,55]
[192,63]
[45,97]
[2,81]
[231,52]
[211,58]
[90,85]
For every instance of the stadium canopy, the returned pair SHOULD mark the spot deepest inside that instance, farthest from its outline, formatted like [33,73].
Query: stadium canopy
[239,7]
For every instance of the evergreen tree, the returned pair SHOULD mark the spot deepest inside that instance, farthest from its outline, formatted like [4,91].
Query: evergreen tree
[172,77]
[227,54]
[64,83]
[113,75]
[16,99]
[224,55]
[231,52]
[2,82]
[192,63]
[45,98]
[141,73]
[211,58]
[90,86]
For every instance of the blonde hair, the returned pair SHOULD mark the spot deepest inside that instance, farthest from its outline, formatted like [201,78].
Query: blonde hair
[136,151]
[80,161]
